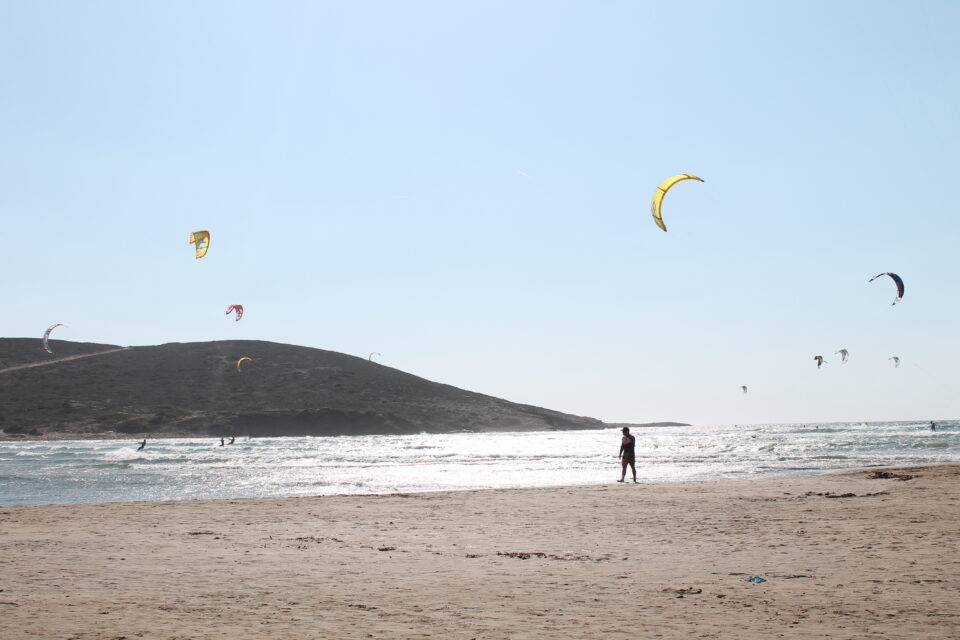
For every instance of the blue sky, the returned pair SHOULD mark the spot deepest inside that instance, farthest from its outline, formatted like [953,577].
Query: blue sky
[465,187]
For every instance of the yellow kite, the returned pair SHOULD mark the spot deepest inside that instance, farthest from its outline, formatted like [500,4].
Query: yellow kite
[202,240]
[662,191]
[241,361]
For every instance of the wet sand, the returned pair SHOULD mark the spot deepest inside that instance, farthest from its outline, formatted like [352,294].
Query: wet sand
[857,554]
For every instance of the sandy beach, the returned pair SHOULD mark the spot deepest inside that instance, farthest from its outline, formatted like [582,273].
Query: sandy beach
[855,554]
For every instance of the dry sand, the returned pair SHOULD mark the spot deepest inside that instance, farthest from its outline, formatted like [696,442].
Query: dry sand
[844,555]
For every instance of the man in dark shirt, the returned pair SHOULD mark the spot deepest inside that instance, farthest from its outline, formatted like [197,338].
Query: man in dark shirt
[627,444]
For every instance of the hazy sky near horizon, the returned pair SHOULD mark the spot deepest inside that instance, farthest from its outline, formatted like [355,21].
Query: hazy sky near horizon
[464,187]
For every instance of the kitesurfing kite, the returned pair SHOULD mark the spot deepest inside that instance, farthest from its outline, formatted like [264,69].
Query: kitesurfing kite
[661,191]
[202,241]
[844,354]
[819,360]
[238,308]
[373,353]
[743,388]
[46,336]
[241,361]
[896,280]
[896,361]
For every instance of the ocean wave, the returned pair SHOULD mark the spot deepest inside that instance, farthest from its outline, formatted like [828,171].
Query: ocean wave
[79,471]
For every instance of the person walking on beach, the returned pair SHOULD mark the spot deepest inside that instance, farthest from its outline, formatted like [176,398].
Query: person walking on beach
[142,445]
[627,444]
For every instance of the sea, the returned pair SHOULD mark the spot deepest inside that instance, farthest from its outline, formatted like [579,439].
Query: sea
[90,471]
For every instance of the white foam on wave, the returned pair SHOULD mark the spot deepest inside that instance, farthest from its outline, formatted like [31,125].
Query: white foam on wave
[78,471]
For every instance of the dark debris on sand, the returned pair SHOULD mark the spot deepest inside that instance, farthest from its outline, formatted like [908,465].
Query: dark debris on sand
[888,475]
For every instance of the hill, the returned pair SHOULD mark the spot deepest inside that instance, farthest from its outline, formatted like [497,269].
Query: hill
[194,389]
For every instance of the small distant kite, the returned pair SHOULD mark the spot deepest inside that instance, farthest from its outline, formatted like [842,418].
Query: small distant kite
[897,280]
[661,191]
[202,241]
[373,353]
[896,361]
[819,360]
[46,336]
[241,361]
[238,308]
[844,355]
[743,388]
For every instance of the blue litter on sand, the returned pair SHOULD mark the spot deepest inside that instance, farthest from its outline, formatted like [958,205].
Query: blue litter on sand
[756,579]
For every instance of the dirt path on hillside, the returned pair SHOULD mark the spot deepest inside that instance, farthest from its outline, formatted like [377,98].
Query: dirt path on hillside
[63,359]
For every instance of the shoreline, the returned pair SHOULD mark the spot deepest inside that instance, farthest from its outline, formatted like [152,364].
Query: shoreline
[57,436]
[857,553]
[81,471]
[771,475]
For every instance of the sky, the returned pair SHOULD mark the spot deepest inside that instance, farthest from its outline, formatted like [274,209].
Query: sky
[464,187]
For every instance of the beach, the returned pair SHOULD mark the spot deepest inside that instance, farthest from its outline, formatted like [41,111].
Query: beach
[868,553]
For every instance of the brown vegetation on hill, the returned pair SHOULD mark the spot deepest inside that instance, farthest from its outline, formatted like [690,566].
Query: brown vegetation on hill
[183,389]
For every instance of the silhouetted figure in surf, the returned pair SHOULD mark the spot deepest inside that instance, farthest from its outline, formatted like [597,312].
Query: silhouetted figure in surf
[142,445]
[933,426]
[627,455]
[231,440]
[222,442]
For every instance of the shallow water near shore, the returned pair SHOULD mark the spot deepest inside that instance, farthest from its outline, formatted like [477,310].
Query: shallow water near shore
[83,471]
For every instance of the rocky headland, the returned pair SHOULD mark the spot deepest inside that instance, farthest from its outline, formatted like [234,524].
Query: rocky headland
[87,390]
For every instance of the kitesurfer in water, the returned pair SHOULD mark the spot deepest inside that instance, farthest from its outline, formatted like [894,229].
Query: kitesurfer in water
[627,456]
[222,442]
[231,440]
[933,426]
[142,445]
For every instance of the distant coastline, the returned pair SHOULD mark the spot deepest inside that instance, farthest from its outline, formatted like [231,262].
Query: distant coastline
[87,391]
[640,425]
[26,435]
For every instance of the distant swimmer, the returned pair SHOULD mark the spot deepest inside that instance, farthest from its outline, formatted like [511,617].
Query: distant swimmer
[231,440]
[142,445]
[627,455]
[933,426]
